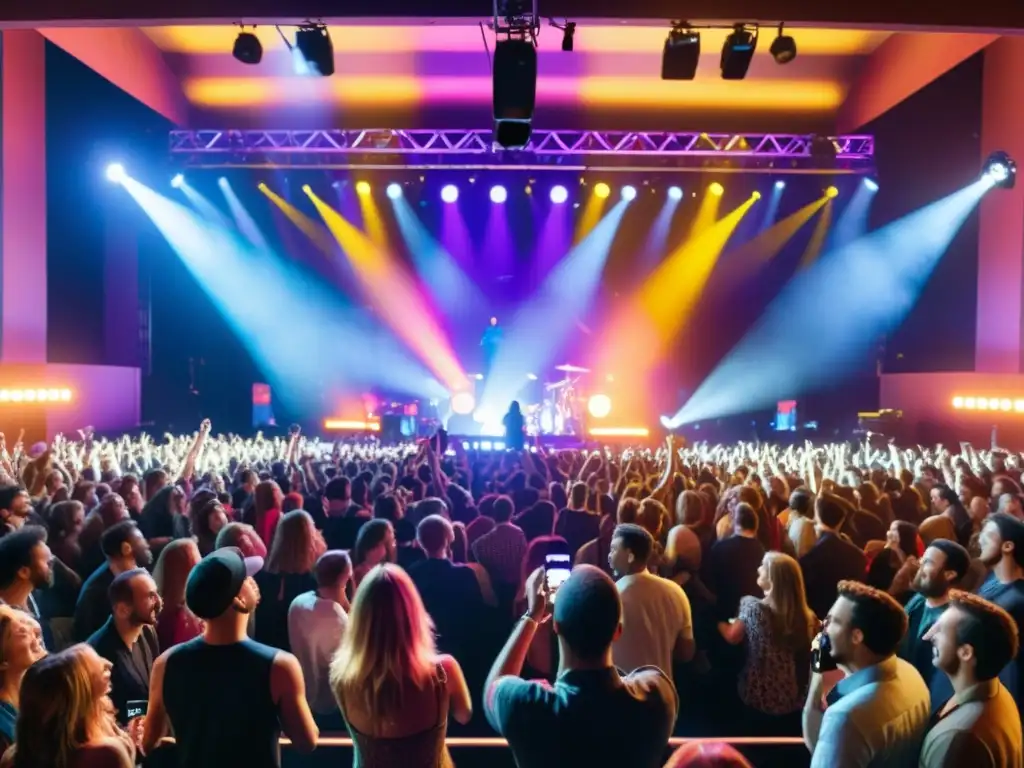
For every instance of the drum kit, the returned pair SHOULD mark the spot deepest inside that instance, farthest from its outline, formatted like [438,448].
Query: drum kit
[561,412]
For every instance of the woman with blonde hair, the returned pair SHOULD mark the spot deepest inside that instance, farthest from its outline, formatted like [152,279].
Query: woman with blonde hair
[21,646]
[296,547]
[394,690]
[67,719]
[176,623]
[777,630]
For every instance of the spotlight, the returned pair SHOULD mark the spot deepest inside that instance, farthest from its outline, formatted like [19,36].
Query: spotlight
[783,48]
[602,190]
[755,195]
[737,52]
[780,184]
[628,193]
[178,181]
[449,193]
[599,406]
[116,173]
[222,181]
[394,191]
[463,403]
[716,189]
[832,192]
[313,42]
[307,189]
[559,194]
[871,184]
[1001,170]
[568,33]
[675,193]
[248,48]
[363,188]
[498,194]
[681,55]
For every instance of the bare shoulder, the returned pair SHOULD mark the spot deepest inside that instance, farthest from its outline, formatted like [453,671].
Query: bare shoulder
[110,752]
[448,663]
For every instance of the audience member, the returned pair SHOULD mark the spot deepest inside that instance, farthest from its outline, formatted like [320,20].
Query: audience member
[394,691]
[375,544]
[176,623]
[125,549]
[25,566]
[734,562]
[225,697]
[316,624]
[979,726]
[128,639]
[877,714]
[575,523]
[698,754]
[581,719]
[1002,550]
[657,627]
[21,646]
[832,558]
[501,551]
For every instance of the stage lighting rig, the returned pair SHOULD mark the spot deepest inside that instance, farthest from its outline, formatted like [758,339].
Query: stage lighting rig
[1001,169]
[248,48]
[568,29]
[515,71]
[682,53]
[314,48]
[738,51]
[783,48]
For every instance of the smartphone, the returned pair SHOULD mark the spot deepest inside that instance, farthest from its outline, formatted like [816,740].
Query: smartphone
[556,570]
[136,709]
[821,657]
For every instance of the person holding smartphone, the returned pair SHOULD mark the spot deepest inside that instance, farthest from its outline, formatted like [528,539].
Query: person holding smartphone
[878,713]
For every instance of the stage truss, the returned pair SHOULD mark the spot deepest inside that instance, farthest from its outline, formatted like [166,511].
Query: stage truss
[423,149]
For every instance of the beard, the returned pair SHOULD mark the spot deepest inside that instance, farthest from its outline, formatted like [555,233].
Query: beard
[42,579]
[140,619]
[991,560]
[929,588]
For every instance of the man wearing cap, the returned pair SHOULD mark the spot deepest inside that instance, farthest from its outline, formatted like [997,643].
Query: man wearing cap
[226,697]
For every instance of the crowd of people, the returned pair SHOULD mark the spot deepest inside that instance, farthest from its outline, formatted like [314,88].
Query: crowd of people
[192,599]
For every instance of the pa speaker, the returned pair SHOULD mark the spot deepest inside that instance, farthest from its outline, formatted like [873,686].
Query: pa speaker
[515,80]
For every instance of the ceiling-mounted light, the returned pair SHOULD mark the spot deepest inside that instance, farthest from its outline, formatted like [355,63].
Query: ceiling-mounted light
[248,48]
[738,51]
[1001,170]
[783,48]
[313,42]
[682,53]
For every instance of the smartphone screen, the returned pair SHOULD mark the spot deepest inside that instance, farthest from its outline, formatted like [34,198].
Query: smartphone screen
[556,570]
[136,709]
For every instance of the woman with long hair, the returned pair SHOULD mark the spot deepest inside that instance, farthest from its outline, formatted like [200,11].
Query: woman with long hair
[66,718]
[267,501]
[295,549]
[21,646]
[207,521]
[777,630]
[394,690]
[375,544]
[176,623]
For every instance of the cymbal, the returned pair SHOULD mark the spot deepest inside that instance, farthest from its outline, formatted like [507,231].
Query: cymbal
[571,369]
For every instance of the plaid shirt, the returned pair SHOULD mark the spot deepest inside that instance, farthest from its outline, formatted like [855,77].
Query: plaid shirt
[501,552]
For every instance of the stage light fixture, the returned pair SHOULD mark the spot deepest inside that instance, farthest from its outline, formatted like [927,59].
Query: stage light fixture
[394,191]
[599,406]
[602,190]
[248,48]
[568,34]
[363,188]
[116,173]
[222,181]
[178,181]
[681,55]
[463,403]
[449,193]
[307,189]
[629,193]
[514,91]
[871,184]
[780,184]
[716,189]
[738,51]
[783,48]
[832,192]
[313,42]
[559,194]
[755,195]
[675,193]
[1001,170]
[498,194]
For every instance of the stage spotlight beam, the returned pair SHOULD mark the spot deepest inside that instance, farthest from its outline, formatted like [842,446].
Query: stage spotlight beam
[450,193]
[498,194]
[871,184]
[116,173]
[363,188]
[178,181]
[629,193]
[1001,170]
[780,184]
[832,192]
[559,194]
[716,189]
[394,191]
[248,49]
[602,190]
[675,193]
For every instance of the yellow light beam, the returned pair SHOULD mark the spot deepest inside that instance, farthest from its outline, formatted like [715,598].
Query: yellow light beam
[373,222]
[313,230]
[707,213]
[395,297]
[817,241]
[592,212]
[766,245]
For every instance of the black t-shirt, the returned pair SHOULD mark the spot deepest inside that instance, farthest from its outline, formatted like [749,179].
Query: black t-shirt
[132,667]
[732,571]
[93,606]
[1009,597]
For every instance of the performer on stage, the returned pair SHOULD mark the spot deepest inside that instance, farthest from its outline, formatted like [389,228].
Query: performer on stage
[491,343]
[515,428]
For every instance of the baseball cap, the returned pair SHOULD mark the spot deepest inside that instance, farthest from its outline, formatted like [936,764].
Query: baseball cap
[217,579]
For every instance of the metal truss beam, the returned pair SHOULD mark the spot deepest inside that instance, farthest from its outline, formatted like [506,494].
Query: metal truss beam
[554,150]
